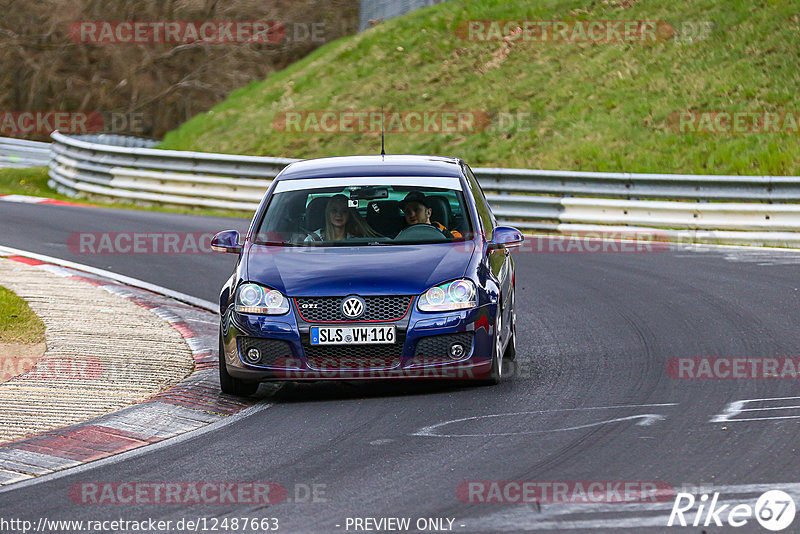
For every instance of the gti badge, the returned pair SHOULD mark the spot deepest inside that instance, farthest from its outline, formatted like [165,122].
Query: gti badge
[353,307]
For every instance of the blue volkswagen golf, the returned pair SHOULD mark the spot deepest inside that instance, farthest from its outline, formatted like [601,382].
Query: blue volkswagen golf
[368,267]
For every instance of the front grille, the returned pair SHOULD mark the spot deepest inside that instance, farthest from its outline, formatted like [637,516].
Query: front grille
[349,357]
[436,349]
[328,309]
[274,352]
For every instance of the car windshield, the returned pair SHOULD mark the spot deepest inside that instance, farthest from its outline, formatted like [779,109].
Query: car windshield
[364,212]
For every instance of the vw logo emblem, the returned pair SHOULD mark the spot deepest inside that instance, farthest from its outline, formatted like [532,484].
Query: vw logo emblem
[353,307]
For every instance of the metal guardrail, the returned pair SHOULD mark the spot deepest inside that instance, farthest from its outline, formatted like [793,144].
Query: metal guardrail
[377,10]
[757,210]
[643,186]
[20,153]
[81,164]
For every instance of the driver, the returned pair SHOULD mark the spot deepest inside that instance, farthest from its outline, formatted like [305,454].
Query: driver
[417,210]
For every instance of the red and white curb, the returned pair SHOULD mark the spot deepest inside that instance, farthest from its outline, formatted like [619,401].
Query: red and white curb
[26,199]
[191,404]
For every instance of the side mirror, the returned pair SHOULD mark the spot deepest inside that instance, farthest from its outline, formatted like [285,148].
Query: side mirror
[506,237]
[226,241]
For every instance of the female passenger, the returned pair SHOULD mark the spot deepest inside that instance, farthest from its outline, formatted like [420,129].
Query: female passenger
[342,222]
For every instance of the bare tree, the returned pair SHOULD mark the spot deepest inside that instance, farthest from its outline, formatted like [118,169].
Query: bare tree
[164,83]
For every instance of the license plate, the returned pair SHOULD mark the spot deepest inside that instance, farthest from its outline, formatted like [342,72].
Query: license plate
[352,335]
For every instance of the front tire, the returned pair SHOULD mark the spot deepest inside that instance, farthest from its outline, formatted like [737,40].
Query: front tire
[511,346]
[229,384]
[496,371]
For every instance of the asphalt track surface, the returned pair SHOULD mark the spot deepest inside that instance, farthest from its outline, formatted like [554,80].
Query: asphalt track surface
[590,400]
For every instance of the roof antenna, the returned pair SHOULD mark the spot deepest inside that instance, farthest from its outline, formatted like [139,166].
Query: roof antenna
[383,152]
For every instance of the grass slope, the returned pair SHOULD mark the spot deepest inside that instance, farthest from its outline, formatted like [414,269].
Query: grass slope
[31,182]
[595,106]
[18,324]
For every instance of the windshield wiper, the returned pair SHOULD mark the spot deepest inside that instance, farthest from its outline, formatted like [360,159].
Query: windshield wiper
[275,243]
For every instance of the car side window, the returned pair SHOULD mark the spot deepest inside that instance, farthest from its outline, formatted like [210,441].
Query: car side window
[484,212]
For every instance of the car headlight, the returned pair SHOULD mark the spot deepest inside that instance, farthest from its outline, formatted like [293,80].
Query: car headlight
[253,298]
[455,295]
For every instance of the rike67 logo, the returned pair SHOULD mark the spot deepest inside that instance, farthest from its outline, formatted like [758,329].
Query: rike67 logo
[774,510]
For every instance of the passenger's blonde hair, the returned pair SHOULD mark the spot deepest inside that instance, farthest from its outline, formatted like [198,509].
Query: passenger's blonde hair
[355,225]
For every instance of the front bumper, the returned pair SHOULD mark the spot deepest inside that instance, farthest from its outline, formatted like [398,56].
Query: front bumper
[421,349]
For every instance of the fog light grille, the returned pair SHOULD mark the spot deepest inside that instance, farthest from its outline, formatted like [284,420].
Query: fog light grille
[437,349]
[271,352]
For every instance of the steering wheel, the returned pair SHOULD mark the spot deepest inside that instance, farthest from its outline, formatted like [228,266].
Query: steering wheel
[313,235]
[422,232]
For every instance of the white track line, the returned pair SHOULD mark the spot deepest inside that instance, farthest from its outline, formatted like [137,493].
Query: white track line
[146,449]
[127,280]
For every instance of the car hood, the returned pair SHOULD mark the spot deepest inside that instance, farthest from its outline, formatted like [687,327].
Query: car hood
[365,270]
